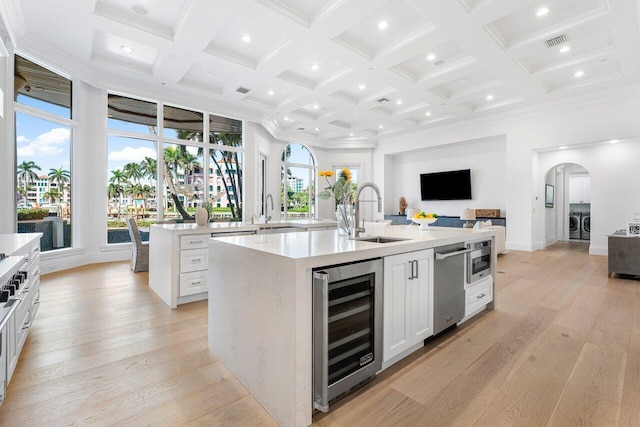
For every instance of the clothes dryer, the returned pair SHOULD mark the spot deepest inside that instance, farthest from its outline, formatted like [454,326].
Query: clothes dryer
[575,225]
[586,226]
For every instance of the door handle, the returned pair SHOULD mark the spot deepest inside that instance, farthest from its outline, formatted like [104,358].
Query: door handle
[450,254]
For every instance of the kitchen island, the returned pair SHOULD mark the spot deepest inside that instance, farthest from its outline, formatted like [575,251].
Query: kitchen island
[260,304]
[178,258]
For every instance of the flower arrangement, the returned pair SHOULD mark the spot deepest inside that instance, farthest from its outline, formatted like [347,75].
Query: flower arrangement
[342,190]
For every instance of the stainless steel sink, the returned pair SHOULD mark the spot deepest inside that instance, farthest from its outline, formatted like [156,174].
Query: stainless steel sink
[379,239]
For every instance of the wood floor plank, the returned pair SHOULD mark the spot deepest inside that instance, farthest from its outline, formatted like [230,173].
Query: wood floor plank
[531,394]
[593,393]
[467,396]
[104,350]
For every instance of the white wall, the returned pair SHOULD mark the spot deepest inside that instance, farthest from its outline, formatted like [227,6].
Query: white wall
[615,175]
[569,122]
[486,159]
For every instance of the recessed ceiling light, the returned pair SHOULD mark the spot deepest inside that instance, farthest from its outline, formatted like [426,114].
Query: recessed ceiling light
[381,126]
[431,57]
[315,67]
[139,9]
[489,97]
[286,118]
[350,133]
[316,106]
[383,25]
[362,86]
[542,11]
[614,141]
[564,147]
[246,38]
[428,114]
[271,92]
[126,49]
[399,102]
[578,74]
[317,129]
[565,49]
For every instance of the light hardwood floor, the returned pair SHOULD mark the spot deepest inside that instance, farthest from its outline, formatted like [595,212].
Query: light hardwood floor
[562,349]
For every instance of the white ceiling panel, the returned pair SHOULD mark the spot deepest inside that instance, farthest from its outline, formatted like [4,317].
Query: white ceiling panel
[303,53]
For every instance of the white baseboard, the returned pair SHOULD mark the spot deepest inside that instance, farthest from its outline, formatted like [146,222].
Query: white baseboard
[51,262]
[598,250]
[516,246]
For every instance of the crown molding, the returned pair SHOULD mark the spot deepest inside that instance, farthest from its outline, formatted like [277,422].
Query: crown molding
[13,18]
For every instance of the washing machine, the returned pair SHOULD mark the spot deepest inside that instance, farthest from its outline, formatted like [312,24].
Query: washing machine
[575,225]
[586,226]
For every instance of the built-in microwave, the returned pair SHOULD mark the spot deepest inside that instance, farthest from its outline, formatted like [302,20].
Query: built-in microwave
[479,261]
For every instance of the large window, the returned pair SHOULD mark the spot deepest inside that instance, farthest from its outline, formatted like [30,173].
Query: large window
[43,153]
[170,182]
[297,189]
[131,165]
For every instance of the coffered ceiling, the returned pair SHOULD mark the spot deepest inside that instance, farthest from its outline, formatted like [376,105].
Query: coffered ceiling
[344,71]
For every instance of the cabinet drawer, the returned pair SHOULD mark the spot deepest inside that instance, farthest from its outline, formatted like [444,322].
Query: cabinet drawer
[193,283]
[478,295]
[197,241]
[194,260]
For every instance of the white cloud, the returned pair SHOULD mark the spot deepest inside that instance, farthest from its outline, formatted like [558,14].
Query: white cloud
[130,154]
[48,144]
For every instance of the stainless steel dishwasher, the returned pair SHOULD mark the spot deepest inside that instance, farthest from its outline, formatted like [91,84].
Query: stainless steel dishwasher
[448,286]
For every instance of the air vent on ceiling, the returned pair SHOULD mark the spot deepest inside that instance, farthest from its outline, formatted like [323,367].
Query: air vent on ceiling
[556,41]
[243,90]
[383,100]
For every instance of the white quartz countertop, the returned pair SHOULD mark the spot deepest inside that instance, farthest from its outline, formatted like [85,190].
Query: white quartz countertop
[12,243]
[231,227]
[328,247]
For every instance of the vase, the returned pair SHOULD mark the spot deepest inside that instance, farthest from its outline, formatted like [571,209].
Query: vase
[202,216]
[345,218]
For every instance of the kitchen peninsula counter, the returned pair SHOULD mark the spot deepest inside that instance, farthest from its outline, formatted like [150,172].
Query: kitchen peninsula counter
[260,304]
[178,254]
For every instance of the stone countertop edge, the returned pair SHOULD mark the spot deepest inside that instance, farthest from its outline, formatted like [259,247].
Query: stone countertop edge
[323,248]
[230,227]
[14,242]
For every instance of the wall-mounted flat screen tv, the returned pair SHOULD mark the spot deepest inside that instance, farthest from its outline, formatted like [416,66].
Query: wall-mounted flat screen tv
[451,185]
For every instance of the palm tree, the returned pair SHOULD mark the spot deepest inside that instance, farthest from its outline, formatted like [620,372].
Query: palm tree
[118,177]
[172,158]
[114,191]
[134,171]
[61,178]
[149,168]
[26,173]
[56,195]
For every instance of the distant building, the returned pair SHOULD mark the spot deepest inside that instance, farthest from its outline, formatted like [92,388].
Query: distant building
[295,184]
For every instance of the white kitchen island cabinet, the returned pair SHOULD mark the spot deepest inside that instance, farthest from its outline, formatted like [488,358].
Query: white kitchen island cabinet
[408,304]
[179,254]
[261,316]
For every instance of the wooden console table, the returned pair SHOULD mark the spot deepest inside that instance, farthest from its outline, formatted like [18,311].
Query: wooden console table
[624,254]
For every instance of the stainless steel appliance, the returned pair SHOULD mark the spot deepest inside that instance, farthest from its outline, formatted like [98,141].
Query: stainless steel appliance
[479,264]
[575,225]
[585,226]
[347,329]
[448,286]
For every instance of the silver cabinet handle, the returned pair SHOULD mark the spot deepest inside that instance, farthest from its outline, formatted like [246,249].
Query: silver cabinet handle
[410,274]
[196,241]
[450,254]
[415,262]
[196,259]
[481,296]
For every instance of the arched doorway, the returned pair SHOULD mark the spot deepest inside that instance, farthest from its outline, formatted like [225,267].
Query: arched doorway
[569,217]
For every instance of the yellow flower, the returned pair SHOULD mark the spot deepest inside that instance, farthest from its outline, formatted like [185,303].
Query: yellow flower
[325,173]
[346,174]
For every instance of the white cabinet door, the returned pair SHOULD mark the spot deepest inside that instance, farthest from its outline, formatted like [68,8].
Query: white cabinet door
[408,301]
[397,305]
[580,189]
[422,296]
